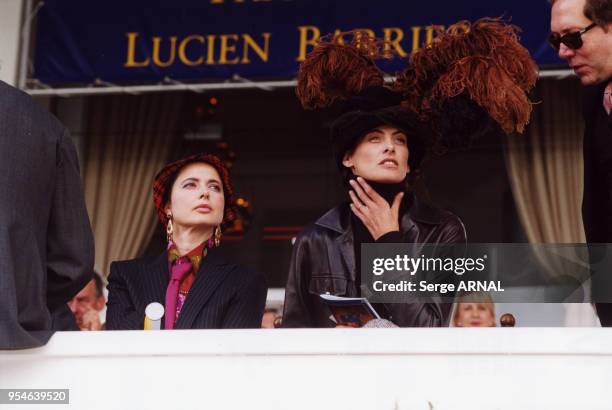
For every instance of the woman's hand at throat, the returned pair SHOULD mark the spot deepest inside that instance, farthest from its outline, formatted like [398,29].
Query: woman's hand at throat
[373,210]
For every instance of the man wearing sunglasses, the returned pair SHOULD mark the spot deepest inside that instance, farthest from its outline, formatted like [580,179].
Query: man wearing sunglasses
[581,32]
[585,45]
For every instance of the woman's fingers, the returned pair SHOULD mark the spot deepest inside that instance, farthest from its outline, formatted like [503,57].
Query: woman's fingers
[356,200]
[373,210]
[362,217]
[359,209]
[367,200]
[371,193]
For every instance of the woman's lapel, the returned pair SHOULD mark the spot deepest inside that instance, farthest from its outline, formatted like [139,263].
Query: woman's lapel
[213,271]
[155,280]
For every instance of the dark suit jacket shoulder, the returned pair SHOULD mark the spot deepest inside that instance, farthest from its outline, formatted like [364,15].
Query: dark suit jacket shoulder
[223,295]
[47,251]
[597,197]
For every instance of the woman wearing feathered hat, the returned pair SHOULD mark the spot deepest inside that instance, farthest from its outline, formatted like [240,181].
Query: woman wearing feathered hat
[198,288]
[380,142]
[377,145]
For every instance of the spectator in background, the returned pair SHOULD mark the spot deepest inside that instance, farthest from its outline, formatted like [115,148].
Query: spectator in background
[46,243]
[87,305]
[474,310]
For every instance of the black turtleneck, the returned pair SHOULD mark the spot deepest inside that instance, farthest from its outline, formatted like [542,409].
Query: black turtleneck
[360,231]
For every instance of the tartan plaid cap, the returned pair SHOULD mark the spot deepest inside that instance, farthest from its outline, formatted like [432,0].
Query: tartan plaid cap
[166,177]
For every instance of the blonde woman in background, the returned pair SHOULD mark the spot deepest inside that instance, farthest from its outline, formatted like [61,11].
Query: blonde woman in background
[474,310]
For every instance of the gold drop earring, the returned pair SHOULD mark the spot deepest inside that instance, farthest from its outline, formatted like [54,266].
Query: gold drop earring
[217,235]
[169,227]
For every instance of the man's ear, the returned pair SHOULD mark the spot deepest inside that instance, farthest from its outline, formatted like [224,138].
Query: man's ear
[347,160]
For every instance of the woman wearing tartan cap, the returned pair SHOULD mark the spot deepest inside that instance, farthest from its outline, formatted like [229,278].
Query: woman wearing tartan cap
[198,288]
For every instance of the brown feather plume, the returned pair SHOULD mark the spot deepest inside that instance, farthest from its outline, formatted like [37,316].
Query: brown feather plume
[340,67]
[487,64]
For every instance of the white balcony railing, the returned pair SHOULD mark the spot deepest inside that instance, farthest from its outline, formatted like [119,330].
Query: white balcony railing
[509,368]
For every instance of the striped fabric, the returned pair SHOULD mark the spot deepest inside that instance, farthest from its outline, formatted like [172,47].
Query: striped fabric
[222,296]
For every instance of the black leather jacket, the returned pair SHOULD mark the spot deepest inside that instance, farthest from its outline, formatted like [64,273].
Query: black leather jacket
[323,260]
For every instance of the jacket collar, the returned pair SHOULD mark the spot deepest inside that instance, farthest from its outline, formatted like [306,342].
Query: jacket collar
[213,270]
[338,219]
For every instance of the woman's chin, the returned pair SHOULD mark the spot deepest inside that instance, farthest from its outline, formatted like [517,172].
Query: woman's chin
[385,176]
[201,222]
[386,179]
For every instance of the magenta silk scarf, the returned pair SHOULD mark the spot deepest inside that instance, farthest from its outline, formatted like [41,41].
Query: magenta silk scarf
[181,267]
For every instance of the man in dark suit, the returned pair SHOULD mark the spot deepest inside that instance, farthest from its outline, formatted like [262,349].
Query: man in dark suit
[46,244]
[582,33]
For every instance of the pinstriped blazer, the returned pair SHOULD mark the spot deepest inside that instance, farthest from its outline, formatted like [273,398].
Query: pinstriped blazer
[222,296]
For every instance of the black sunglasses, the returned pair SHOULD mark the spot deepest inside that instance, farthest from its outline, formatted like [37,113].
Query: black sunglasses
[571,40]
